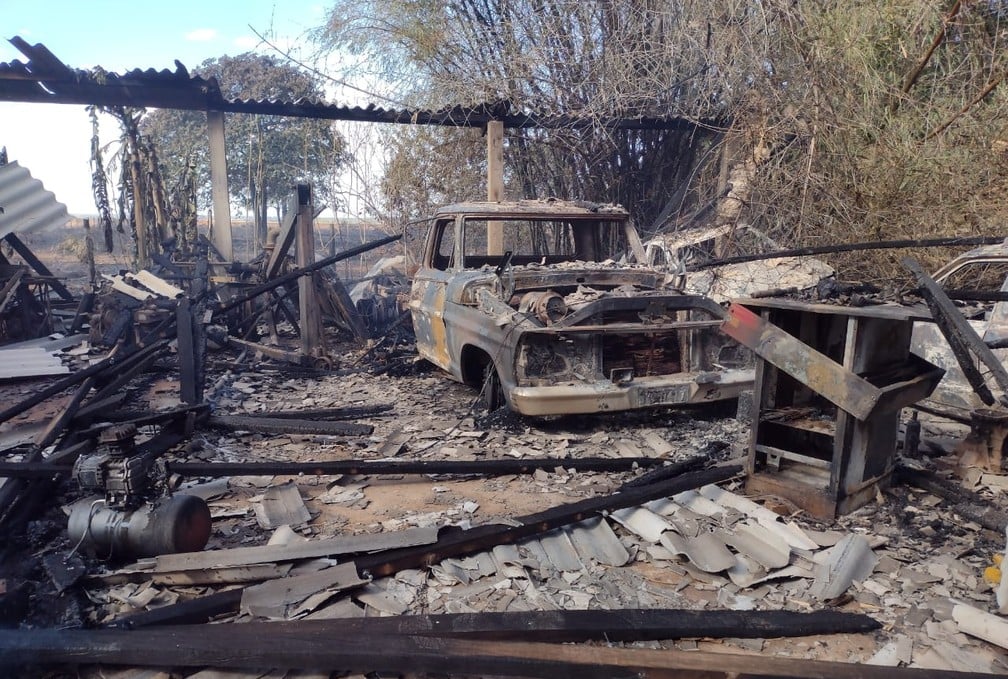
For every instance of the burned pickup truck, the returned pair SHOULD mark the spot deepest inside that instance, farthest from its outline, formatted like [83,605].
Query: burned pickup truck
[536,304]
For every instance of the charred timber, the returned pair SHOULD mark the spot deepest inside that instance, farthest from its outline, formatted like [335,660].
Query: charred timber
[960,335]
[234,647]
[257,290]
[113,360]
[279,425]
[371,467]
[967,503]
[853,247]
[628,625]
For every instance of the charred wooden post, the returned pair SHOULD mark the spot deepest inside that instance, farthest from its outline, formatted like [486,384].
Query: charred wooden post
[185,334]
[495,183]
[311,321]
[219,185]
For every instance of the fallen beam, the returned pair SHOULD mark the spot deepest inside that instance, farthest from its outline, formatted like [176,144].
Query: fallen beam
[257,290]
[34,262]
[961,337]
[344,413]
[853,247]
[504,467]
[233,647]
[965,502]
[268,425]
[629,625]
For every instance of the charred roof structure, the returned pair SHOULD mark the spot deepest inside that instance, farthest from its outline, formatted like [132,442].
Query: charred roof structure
[45,79]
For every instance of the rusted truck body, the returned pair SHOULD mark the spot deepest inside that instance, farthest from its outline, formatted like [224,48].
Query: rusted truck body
[535,303]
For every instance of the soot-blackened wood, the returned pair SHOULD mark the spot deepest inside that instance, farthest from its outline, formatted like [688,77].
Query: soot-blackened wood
[629,625]
[84,308]
[297,273]
[185,335]
[289,426]
[961,336]
[131,366]
[462,467]
[853,247]
[240,646]
[34,262]
[967,503]
[344,413]
[698,461]
[479,538]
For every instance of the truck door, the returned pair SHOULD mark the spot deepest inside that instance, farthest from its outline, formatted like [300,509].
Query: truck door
[429,292]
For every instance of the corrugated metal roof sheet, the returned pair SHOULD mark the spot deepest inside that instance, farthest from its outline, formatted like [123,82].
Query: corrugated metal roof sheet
[46,79]
[27,206]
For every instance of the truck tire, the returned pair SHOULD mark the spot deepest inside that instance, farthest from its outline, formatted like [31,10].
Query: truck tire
[491,393]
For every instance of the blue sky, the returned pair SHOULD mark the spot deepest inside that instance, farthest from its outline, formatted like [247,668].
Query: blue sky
[53,141]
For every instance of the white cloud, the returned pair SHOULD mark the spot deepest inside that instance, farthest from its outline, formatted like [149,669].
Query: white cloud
[201,35]
[247,42]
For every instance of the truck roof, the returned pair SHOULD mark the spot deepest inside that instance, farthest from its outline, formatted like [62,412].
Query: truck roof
[533,208]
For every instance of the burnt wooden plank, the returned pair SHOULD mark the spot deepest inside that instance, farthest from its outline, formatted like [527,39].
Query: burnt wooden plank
[288,425]
[340,299]
[812,368]
[285,238]
[502,467]
[257,290]
[960,335]
[34,262]
[185,335]
[231,646]
[10,287]
[633,624]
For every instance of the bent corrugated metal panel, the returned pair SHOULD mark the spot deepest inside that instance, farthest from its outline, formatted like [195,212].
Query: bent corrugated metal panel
[27,206]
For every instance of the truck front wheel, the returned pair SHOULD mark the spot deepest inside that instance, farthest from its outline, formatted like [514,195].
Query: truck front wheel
[491,393]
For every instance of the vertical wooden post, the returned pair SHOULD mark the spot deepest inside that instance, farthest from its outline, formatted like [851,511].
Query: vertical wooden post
[186,347]
[138,213]
[219,185]
[308,306]
[495,183]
